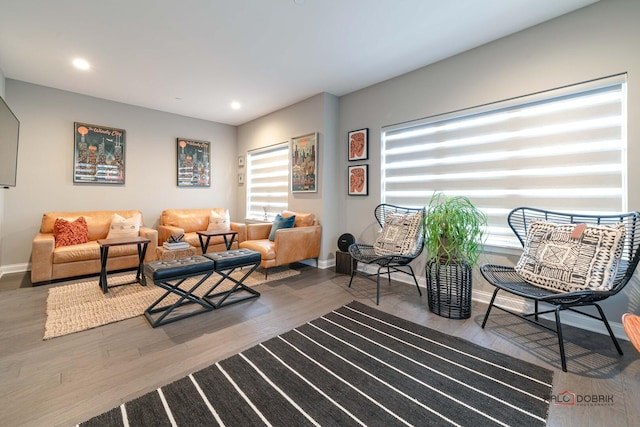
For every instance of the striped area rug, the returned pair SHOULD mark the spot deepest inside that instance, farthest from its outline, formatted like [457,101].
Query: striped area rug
[353,366]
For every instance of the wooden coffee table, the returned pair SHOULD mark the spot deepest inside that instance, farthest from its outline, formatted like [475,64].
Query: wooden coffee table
[204,244]
[105,244]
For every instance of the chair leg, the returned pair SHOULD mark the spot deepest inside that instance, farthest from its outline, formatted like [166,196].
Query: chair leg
[353,272]
[415,280]
[378,287]
[606,323]
[563,359]
[389,274]
[486,316]
[535,303]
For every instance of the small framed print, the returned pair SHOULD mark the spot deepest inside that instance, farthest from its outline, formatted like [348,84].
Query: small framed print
[358,142]
[240,177]
[358,180]
[240,161]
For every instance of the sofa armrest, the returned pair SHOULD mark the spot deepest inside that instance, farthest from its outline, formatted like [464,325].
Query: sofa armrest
[42,257]
[241,228]
[164,231]
[298,243]
[152,235]
[258,231]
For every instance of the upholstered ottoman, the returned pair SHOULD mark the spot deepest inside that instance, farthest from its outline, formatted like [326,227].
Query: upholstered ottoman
[171,275]
[225,263]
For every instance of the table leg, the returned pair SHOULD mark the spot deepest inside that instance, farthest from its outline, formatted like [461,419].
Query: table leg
[142,251]
[204,245]
[228,243]
[104,254]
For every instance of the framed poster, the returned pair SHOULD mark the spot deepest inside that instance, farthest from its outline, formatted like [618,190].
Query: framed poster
[358,141]
[98,154]
[358,180]
[304,163]
[194,169]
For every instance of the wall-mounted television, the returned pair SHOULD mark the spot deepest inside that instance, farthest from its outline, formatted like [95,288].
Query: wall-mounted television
[9,135]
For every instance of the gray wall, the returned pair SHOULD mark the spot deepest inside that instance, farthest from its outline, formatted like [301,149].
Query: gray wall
[45,163]
[593,42]
[316,114]
[2,191]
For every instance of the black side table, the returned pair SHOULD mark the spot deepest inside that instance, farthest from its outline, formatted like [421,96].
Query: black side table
[345,264]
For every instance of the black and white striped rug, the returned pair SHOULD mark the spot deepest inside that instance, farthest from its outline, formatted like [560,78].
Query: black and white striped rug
[353,366]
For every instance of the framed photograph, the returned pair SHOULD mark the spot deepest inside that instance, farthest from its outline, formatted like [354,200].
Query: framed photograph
[358,180]
[194,167]
[358,141]
[240,177]
[98,154]
[240,161]
[304,163]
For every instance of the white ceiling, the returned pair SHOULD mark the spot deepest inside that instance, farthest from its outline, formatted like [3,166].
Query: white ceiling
[194,57]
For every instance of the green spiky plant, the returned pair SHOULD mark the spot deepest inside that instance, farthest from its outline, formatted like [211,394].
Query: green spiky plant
[454,230]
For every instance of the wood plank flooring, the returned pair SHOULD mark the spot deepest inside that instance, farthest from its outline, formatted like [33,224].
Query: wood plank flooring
[66,380]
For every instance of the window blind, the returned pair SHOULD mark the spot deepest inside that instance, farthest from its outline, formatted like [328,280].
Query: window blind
[562,150]
[267,182]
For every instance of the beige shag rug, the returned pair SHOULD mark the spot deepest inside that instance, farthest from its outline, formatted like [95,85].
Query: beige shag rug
[80,306]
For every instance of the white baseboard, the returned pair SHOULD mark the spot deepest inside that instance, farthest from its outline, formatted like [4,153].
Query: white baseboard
[14,268]
[521,306]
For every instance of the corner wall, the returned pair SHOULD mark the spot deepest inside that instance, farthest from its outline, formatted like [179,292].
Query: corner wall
[2,191]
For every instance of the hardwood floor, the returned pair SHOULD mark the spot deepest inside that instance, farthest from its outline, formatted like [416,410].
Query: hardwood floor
[69,379]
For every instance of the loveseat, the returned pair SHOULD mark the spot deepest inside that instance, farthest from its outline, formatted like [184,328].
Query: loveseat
[188,222]
[70,259]
[298,243]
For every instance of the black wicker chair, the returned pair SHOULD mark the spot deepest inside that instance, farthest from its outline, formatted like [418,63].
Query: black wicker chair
[366,253]
[507,279]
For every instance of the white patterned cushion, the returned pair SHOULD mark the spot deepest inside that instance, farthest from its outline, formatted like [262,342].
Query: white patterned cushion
[556,260]
[401,234]
[219,220]
[124,227]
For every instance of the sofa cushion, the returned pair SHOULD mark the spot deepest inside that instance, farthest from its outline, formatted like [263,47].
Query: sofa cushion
[68,233]
[124,227]
[571,257]
[280,222]
[219,220]
[401,234]
[266,247]
[302,219]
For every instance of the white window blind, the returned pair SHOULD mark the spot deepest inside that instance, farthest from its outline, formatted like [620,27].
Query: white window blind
[267,182]
[562,150]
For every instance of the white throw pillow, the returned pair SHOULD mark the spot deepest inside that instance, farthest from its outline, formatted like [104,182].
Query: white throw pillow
[124,227]
[219,220]
[401,235]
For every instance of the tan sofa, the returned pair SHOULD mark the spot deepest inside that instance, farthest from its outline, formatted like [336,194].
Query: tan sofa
[290,245]
[189,221]
[50,263]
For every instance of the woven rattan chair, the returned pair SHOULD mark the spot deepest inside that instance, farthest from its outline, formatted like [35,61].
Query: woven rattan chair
[367,254]
[505,278]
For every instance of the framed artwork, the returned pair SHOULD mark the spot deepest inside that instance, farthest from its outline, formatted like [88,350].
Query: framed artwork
[304,163]
[358,180]
[98,154]
[358,141]
[194,167]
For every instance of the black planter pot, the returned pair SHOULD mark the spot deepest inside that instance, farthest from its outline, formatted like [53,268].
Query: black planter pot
[449,289]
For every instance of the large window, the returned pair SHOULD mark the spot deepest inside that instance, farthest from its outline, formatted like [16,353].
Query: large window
[267,182]
[562,150]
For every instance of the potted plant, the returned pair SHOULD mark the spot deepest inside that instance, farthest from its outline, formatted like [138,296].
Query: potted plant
[454,231]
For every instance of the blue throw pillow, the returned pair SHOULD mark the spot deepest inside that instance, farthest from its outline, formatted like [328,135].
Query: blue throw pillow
[280,222]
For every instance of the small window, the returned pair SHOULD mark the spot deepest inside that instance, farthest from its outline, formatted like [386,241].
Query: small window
[267,182]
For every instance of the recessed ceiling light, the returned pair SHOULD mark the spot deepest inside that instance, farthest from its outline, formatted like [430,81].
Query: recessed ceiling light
[81,64]
[235,105]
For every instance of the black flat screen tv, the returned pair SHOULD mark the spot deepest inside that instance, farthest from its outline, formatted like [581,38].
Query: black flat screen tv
[9,135]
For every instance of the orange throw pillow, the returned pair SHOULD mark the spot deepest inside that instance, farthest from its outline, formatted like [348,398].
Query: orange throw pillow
[68,233]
